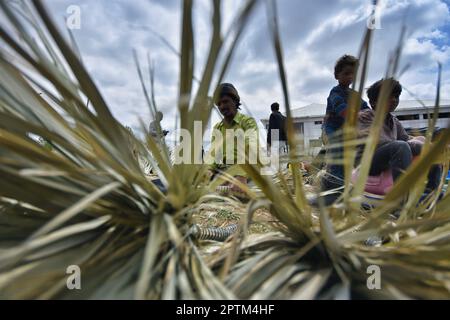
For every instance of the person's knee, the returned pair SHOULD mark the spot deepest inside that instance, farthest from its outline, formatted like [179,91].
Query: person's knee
[401,146]
[401,153]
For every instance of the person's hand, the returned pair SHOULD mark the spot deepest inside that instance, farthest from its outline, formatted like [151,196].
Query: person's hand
[416,145]
[236,188]
[420,139]
[307,166]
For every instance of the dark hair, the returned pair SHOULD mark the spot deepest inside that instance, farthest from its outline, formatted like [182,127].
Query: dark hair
[275,106]
[345,60]
[374,90]
[227,89]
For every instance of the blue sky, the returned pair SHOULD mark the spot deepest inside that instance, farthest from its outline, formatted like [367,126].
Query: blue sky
[314,33]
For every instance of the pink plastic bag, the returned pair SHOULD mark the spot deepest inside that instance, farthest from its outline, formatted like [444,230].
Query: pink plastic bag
[380,184]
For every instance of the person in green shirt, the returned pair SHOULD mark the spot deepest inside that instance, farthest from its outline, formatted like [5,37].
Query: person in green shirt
[227,99]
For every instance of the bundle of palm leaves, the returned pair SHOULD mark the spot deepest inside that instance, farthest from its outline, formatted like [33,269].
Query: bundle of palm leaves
[332,252]
[83,199]
[86,201]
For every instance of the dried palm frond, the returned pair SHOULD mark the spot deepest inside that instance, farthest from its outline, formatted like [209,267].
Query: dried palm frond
[73,192]
[331,257]
[86,200]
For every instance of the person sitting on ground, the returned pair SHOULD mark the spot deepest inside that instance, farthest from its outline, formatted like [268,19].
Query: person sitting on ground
[337,105]
[395,149]
[277,122]
[227,99]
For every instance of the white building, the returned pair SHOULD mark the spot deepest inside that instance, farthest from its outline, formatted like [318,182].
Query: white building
[411,113]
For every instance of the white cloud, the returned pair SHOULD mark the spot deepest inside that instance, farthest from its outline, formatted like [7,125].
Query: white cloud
[314,33]
[428,49]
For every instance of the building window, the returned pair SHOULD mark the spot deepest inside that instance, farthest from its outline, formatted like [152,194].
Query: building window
[408,117]
[442,115]
[317,122]
[298,127]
